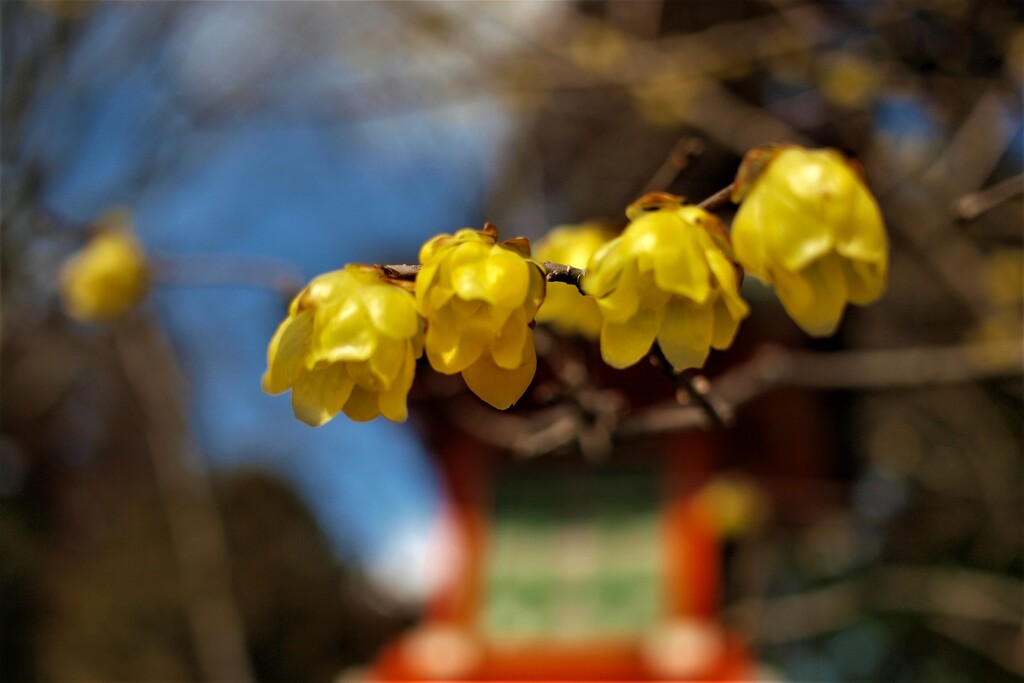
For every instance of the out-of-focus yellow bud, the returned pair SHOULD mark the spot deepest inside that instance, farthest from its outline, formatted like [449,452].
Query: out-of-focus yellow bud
[109,275]
[564,309]
[479,298]
[736,504]
[670,276]
[850,81]
[809,226]
[350,343]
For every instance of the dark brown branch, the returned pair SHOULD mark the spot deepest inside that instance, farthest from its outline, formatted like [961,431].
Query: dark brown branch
[553,272]
[676,161]
[970,206]
[718,199]
[400,272]
[694,390]
[570,275]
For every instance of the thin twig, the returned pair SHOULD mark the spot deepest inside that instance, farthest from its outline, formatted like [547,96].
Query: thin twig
[718,199]
[774,368]
[948,595]
[695,388]
[970,206]
[227,270]
[553,272]
[675,162]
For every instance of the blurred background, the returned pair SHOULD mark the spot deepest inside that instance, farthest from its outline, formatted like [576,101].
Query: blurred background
[163,519]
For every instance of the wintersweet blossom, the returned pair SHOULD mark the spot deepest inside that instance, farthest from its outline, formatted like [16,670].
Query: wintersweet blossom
[669,277]
[350,343]
[809,226]
[108,276]
[564,309]
[479,298]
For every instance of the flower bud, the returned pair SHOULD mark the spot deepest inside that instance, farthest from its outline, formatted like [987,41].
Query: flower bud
[108,276]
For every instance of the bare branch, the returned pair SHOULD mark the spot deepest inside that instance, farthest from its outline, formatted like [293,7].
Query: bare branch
[718,199]
[774,367]
[970,206]
[945,596]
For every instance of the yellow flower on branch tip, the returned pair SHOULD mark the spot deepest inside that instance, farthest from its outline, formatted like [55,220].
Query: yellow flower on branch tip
[670,278]
[564,308]
[479,298]
[109,275]
[809,226]
[350,343]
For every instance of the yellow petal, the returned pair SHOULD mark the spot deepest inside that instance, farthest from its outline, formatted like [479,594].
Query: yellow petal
[685,334]
[748,238]
[865,281]
[501,278]
[393,401]
[624,343]
[320,393]
[425,280]
[796,234]
[728,283]
[862,235]
[450,350]
[386,364]
[605,268]
[725,327]
[343,332]
[507,349]
[498,386]
[670,247]
[622,302]
[362,405]
[390,309]
[815,298]
[805,196]
[287,351]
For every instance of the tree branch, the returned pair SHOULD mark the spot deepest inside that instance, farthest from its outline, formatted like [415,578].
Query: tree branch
[186,495]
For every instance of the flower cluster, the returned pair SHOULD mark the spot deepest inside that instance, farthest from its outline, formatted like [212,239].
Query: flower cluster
[107,277]
[669,277]
[809,226]
[350,343]
[480,297]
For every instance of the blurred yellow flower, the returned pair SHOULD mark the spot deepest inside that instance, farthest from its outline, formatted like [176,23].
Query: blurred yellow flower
[564,308]
[669,277]
[350,343]
[736,504]
[809,226]
[109,275]
[479,298]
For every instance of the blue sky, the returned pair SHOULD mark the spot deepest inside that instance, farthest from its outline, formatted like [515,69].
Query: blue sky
[120,127]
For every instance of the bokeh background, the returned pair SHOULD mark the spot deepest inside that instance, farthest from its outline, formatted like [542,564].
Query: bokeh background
[259,144]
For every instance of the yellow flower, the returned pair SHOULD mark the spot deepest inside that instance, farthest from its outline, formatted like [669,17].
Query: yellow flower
[479,298]
[670,276]
[809,226]
[109,275]
[564,308]
[350,342]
